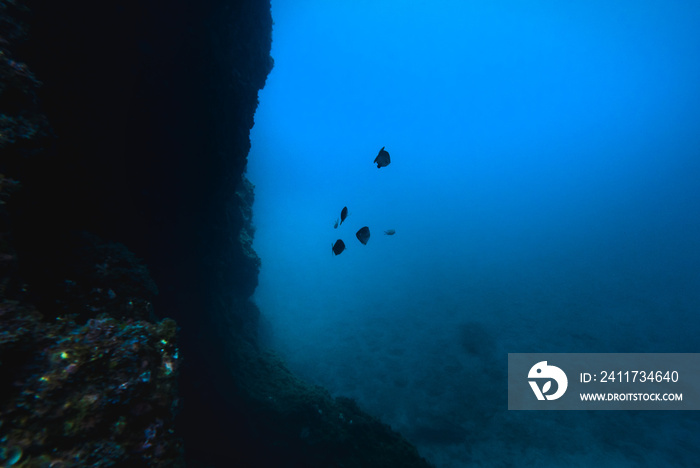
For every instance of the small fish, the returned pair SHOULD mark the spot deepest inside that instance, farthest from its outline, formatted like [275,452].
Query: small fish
[382,158]
[363,235]
[335,226]
[343,214]
[390,232]
[338,247]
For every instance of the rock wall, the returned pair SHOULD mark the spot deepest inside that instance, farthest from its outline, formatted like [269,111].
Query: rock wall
[130,145]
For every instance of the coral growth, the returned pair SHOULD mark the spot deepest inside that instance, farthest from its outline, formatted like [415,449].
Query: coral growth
[97,394]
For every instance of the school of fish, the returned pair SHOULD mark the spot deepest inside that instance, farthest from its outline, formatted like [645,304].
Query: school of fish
[382,160]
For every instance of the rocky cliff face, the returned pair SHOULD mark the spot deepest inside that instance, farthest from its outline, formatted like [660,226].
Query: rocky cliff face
[127,125]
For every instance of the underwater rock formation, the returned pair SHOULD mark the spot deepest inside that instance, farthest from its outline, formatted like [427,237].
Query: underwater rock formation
[124,130]
[102,392]
[97,394]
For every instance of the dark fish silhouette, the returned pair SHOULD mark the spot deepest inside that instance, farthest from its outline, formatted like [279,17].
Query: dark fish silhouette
[382,158]
[363,235]
[343,214]
[390,232]
[338,247]
[335,226]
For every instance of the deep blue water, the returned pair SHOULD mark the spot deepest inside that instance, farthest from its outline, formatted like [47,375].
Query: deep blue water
[545,192]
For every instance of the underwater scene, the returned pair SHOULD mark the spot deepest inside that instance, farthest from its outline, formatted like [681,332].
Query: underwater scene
[440,184]
[361,235]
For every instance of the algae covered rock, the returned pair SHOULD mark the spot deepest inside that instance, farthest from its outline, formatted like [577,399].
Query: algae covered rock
[99,394]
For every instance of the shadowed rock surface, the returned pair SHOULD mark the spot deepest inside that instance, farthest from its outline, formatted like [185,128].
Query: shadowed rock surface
[125,133]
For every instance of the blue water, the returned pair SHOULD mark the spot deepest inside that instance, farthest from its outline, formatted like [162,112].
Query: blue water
[545,192]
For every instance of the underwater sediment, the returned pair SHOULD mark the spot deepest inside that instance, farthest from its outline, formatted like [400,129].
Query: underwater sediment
[127,334]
